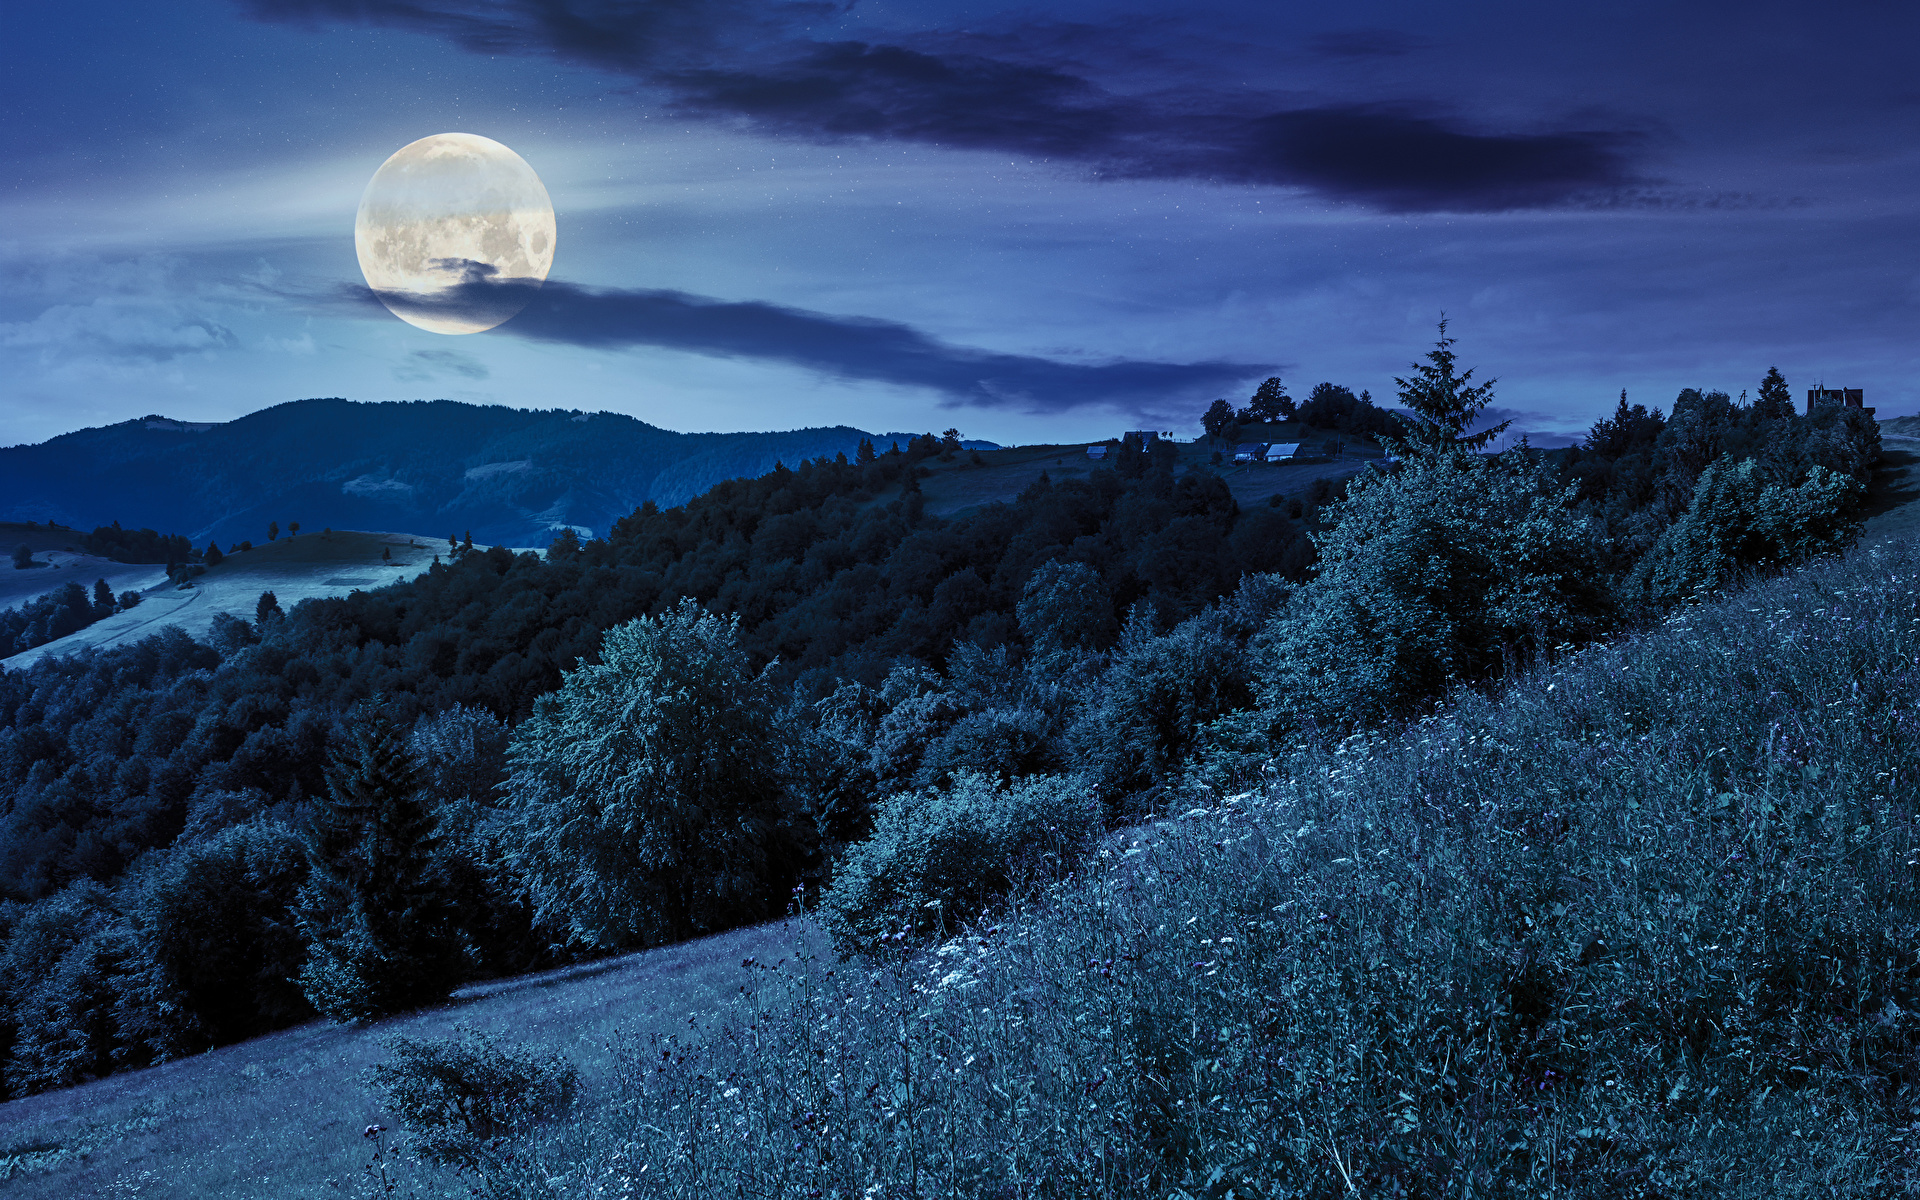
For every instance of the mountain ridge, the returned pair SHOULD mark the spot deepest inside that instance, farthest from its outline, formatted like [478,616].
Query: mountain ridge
[509,475]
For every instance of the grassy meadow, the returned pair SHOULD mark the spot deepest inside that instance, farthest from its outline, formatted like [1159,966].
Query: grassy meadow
[1640,924]
[282,1116]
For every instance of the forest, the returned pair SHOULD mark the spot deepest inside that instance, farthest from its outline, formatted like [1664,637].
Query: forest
[351,807]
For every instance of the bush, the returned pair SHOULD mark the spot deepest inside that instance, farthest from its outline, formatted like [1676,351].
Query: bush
[1142,719]
[938,858]
[1440,574]
[1738,523]
[462,1097]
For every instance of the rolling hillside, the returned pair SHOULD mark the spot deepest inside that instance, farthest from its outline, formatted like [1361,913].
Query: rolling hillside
[509,475]
[306,567]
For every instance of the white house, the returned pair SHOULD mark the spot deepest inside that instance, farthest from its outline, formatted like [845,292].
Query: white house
[1096,452]
[1282,451]
[1247,452]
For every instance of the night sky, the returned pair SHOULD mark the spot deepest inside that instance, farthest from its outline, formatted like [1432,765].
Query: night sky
[1056,221]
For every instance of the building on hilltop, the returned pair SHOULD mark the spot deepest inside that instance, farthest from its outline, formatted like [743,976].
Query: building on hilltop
[1826,397]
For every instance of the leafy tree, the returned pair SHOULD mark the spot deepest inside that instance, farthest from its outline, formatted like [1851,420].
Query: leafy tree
[293,528]
[1219,419]
[267,609]
[1433,576]
[273,530]
[1270,403]
[949,445]
[1443,404]
[1160,690]
[230,635]
[129,598]
[216,922]
[381,935]
[646,790]
[565,544]
[1065,611]
[22,557]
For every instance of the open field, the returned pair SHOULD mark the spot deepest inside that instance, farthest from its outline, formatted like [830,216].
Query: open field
[281,1116]
[1892,512]
[66,563]
[306,567]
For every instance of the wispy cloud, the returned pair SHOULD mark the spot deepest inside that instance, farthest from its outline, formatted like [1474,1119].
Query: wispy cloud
[862,348]
[424,365]
[750,64]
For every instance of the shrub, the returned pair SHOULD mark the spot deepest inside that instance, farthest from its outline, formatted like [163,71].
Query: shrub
[938,858]
[1738,523]
[1160,690]
[461,1097]
[1436,575]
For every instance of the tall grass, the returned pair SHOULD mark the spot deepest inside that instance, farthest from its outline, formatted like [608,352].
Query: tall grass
[1643,925]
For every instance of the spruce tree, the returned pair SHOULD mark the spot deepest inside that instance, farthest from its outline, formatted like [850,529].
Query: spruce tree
[864,454]
[213,556]
[380,929]
[267,609]
[102,599]
[273,530]
[1443,404]
[1775,402]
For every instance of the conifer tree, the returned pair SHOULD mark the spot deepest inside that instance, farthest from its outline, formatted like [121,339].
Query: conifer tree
[380,931]
[1775,402]
[1443,404]
[213,556]
[102,599]
[267,609]
[273,530]
[864,454]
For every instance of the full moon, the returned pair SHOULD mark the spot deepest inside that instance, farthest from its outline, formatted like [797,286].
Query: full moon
[453,209]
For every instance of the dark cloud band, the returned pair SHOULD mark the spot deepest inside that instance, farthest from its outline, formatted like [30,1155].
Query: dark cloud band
[846,347]
[746,62]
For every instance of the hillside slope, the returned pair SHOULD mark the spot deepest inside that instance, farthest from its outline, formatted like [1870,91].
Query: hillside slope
[307,567]
[282,1115]
[509,475]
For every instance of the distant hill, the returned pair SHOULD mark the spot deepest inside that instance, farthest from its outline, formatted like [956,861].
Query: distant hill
[509,475]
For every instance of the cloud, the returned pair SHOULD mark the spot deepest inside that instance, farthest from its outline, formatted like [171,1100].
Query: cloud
[749,64]
[861,348]
[149,330]
[422,366]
